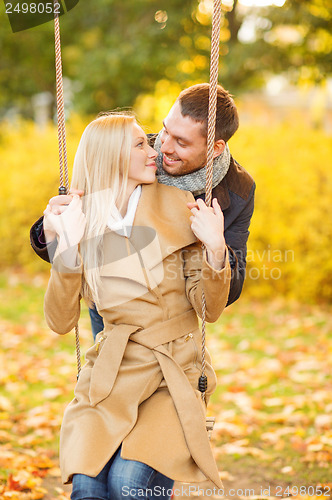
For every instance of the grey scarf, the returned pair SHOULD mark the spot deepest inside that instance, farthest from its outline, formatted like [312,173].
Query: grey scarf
[194,182]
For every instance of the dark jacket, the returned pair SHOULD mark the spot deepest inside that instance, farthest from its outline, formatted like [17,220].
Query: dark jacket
[235,195]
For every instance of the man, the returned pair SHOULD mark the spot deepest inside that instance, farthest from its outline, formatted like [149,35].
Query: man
[181,147]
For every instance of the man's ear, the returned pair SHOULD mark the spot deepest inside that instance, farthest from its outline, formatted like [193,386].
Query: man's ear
[219,147]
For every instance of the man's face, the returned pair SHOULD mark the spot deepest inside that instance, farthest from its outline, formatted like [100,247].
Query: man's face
[182,143]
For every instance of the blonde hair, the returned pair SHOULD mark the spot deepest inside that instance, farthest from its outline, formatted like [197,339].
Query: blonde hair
[101,168]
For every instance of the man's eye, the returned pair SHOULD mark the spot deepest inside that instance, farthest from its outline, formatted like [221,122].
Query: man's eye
[140,144]
[181,145]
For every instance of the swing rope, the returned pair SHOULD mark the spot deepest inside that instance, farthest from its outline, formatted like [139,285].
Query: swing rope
[63,164]
[214,65]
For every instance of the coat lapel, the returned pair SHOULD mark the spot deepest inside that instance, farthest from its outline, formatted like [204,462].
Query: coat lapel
[161,227]
[163,209]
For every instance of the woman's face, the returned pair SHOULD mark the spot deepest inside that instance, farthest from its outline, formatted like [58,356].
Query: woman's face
[142,168]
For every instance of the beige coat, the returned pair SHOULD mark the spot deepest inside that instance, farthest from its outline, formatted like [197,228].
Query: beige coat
[139,384]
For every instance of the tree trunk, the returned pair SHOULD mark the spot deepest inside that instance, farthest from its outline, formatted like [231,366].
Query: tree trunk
[233,24]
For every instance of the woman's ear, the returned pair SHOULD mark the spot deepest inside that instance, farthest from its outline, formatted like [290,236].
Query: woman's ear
[219,147]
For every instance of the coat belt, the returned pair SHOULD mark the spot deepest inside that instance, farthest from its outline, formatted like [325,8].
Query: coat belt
[190,410]
[114,345]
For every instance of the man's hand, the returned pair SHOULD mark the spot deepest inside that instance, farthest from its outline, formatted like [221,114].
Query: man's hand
[207,223]
[57,205]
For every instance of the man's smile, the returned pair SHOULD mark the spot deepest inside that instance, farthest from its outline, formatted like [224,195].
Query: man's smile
[170,161]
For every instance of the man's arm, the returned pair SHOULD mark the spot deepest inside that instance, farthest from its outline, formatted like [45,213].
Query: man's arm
[236,237]
[37,241]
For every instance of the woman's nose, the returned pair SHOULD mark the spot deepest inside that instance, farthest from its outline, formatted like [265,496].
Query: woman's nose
[152,153]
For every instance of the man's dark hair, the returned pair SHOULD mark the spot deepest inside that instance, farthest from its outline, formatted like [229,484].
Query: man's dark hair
[194,102]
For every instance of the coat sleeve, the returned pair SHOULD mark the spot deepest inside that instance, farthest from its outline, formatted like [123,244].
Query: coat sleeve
[62,298]
[199,275]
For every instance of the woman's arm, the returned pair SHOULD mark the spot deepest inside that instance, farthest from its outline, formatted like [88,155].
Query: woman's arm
[209,271]
[200,275]
[62,299]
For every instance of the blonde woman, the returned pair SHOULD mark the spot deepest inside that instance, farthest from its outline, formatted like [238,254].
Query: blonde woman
[133,247]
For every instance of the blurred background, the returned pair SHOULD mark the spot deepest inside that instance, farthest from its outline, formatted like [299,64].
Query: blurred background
[276,59]
[272,349]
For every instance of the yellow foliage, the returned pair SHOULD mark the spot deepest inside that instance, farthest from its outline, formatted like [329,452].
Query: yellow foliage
[151,109]
[29,177]
[202,42]
[186,66]
[291,230]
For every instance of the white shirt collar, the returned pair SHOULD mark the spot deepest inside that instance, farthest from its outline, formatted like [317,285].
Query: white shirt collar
[123,225]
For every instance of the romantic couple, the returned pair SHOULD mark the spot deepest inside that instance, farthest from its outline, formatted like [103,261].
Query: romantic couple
[128,239]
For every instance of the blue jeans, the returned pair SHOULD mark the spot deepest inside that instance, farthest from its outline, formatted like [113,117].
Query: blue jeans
[123,479]
[97,323]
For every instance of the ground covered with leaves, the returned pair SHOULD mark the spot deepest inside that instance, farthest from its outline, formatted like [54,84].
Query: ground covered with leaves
[273,405]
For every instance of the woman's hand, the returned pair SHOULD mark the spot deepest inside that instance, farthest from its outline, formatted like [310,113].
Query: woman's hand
[207,223]
[57,205]
[68,225]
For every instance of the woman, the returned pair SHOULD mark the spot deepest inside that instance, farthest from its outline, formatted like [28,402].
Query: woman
[137,420]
